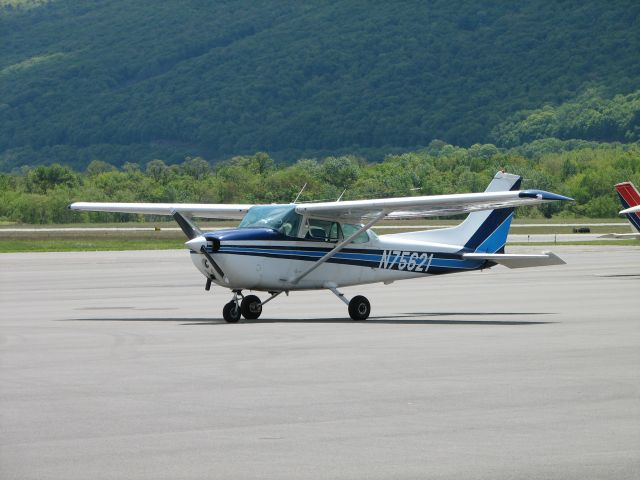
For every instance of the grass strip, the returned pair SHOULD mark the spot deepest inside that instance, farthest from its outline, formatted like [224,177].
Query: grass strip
[109,244]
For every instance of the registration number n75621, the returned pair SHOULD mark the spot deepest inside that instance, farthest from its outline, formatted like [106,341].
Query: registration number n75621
[402,260]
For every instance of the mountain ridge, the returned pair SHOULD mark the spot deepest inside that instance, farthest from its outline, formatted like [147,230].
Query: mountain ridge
[125,81]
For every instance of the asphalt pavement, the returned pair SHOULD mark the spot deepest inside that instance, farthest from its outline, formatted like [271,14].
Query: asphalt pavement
[117,365]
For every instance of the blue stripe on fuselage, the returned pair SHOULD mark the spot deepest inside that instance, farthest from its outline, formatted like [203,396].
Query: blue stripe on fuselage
[440,263]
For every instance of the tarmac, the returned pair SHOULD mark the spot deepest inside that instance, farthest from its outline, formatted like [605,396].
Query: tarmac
[117,365]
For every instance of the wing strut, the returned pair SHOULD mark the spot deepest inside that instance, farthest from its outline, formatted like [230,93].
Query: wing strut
[337,248]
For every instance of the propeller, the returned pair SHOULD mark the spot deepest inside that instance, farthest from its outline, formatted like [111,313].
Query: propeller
[216,267]
[198,242]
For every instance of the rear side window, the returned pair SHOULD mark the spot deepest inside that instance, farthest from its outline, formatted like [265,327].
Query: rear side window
[349,229]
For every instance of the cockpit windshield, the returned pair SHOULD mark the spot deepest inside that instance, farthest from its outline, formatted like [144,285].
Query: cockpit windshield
[285,220]
[282,218]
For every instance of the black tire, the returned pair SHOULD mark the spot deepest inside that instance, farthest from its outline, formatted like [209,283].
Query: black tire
[231,312]
[359,308]
[251,307]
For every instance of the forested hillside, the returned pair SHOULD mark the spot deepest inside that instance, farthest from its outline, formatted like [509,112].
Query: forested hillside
[134,81]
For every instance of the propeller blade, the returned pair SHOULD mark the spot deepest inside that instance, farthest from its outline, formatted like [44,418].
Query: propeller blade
[189,229]
[213,263]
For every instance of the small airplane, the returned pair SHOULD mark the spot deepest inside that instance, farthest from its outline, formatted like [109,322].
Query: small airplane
[306,246]
[630,199]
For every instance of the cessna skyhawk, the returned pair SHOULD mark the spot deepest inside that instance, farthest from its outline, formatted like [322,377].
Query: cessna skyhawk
[286,247]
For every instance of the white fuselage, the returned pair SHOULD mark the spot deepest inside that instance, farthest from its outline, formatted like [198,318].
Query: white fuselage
[271,265]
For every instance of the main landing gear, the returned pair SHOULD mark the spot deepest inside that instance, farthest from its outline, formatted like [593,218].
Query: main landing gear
[250,306]
[359,306]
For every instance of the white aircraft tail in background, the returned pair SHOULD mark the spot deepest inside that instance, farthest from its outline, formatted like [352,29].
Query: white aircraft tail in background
[327,245]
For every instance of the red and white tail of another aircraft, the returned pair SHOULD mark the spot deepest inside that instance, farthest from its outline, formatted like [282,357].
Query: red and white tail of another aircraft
[630,199]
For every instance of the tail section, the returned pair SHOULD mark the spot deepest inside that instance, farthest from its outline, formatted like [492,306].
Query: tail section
[486,231]
[629,197]
[483,231]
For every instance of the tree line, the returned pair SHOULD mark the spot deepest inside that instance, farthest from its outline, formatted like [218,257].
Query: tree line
[585,171]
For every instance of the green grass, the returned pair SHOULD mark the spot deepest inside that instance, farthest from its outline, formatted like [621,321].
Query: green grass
[161,238]
[89,241]
[84,245]
[11,242]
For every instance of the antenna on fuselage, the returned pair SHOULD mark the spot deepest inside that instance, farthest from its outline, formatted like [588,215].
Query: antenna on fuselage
[300,193]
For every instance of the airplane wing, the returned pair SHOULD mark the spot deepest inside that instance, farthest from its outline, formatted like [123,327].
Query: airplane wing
[202,210]
[514,260]
[360,211]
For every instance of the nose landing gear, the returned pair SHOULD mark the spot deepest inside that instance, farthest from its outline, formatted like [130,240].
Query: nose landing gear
[250,307]
[231,312]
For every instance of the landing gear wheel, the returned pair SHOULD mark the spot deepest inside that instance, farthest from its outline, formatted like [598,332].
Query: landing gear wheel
[251,307]
[359,308]
[231,312]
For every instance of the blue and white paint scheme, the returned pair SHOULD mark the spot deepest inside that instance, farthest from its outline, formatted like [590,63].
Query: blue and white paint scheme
[327,245]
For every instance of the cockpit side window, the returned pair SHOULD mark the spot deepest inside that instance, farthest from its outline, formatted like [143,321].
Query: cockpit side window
[328,231]
[323,230]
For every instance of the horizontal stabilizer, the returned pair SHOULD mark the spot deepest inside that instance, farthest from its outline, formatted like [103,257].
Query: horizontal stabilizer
[635,209]
[517,261]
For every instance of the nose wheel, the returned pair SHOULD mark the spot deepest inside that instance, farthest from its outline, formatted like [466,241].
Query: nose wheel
[249,307]
[231,312]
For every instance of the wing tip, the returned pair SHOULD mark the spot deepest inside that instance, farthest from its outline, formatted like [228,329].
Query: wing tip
[542,195]
[554,259]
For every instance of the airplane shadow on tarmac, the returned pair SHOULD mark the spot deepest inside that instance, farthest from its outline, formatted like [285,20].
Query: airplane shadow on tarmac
[620,275]
[414,318]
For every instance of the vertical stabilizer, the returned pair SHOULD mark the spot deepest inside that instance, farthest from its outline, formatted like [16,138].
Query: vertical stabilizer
[487,231]
[483,231]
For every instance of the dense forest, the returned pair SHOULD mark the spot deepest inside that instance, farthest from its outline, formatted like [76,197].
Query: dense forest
[120,81]
[583,170]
